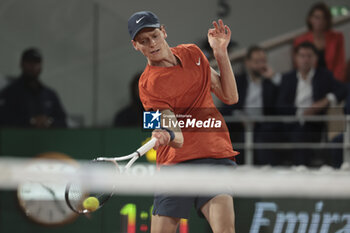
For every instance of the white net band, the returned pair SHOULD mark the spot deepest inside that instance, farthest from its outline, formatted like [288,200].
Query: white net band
[145,179]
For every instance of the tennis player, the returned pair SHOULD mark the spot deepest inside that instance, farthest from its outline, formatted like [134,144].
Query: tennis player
[178,81]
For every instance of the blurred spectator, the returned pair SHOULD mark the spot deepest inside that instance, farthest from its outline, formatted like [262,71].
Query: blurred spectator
[307,91]
[257,87]
[258,90]
[329,43]
[347,72]
[3,81]
[131,115]
[337,154]
[27,102]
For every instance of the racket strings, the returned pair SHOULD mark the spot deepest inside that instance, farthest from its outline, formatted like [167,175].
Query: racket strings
[75,197]
[77,193]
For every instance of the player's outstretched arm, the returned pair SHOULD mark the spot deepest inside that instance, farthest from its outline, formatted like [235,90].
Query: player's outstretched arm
[223,85]
[164,136]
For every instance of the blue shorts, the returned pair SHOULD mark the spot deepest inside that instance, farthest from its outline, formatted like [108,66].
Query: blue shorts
[180,206]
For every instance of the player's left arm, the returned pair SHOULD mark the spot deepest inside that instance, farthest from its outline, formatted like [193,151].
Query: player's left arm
[223,85]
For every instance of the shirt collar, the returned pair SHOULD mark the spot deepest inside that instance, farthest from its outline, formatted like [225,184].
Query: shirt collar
[309,76]
[250,79]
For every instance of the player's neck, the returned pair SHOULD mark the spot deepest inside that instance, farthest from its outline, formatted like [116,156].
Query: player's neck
[168,60]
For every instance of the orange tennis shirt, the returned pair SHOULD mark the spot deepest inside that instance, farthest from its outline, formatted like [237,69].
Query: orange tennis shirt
[185,90]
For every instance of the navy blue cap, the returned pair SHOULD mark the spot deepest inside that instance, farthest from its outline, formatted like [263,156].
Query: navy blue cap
[141,20]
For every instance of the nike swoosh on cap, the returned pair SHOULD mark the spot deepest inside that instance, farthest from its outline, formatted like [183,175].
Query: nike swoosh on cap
[137,21]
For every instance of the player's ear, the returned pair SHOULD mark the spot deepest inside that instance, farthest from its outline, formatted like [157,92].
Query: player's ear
[162,28]
[134,44]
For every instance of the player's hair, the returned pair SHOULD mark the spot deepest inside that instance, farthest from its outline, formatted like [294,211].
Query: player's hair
[162,26]
[305,45]
[326,13]
[252,49]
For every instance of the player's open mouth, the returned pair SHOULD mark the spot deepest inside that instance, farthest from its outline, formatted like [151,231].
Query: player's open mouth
[155,51]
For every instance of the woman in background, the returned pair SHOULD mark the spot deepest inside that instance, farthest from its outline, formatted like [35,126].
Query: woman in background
[330,43]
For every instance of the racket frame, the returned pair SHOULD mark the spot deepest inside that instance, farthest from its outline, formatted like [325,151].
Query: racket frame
[131,157]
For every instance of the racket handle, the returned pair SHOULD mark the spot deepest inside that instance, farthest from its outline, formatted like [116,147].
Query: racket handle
[146,147]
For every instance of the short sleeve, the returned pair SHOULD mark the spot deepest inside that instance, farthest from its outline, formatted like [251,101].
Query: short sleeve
[150,102]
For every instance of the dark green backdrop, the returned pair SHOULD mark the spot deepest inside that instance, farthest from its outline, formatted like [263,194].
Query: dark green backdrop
[89,143]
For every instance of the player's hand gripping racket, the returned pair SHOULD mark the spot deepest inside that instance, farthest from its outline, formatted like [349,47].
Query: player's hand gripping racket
[82,201]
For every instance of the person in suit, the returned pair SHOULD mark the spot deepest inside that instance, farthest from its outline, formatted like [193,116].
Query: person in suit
[305,91]
[329,43]
[257,90]
[258,76]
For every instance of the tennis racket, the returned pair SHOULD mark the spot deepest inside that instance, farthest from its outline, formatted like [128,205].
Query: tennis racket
[76,193]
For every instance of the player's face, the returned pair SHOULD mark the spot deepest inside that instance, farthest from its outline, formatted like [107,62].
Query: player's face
[305,59]
[257,63]
[151,43]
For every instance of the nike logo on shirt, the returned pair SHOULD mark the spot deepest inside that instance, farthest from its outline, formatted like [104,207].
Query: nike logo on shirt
[137,21]
[199,62]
